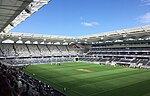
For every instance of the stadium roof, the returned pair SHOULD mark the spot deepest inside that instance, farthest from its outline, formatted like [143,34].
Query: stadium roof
[13,12]
[124,34]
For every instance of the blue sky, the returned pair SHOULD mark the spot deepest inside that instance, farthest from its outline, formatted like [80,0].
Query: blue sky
[85,17]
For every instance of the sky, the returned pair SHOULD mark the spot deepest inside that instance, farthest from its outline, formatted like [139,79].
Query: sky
[85,17]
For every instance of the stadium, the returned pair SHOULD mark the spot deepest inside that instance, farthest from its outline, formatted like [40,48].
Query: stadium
[114,63]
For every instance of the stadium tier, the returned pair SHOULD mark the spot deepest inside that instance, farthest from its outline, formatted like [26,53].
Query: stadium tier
[129,53]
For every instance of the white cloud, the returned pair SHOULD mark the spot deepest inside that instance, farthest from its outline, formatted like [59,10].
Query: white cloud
[145,18]
[145,2]
[81,17]
[89,24]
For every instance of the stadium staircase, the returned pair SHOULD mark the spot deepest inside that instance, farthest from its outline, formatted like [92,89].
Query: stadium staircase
[28,49]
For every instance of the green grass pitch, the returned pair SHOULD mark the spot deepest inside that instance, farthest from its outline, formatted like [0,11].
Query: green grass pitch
[85,79]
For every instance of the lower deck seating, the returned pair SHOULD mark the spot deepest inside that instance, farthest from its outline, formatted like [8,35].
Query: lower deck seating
[27,61]
[116,60]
